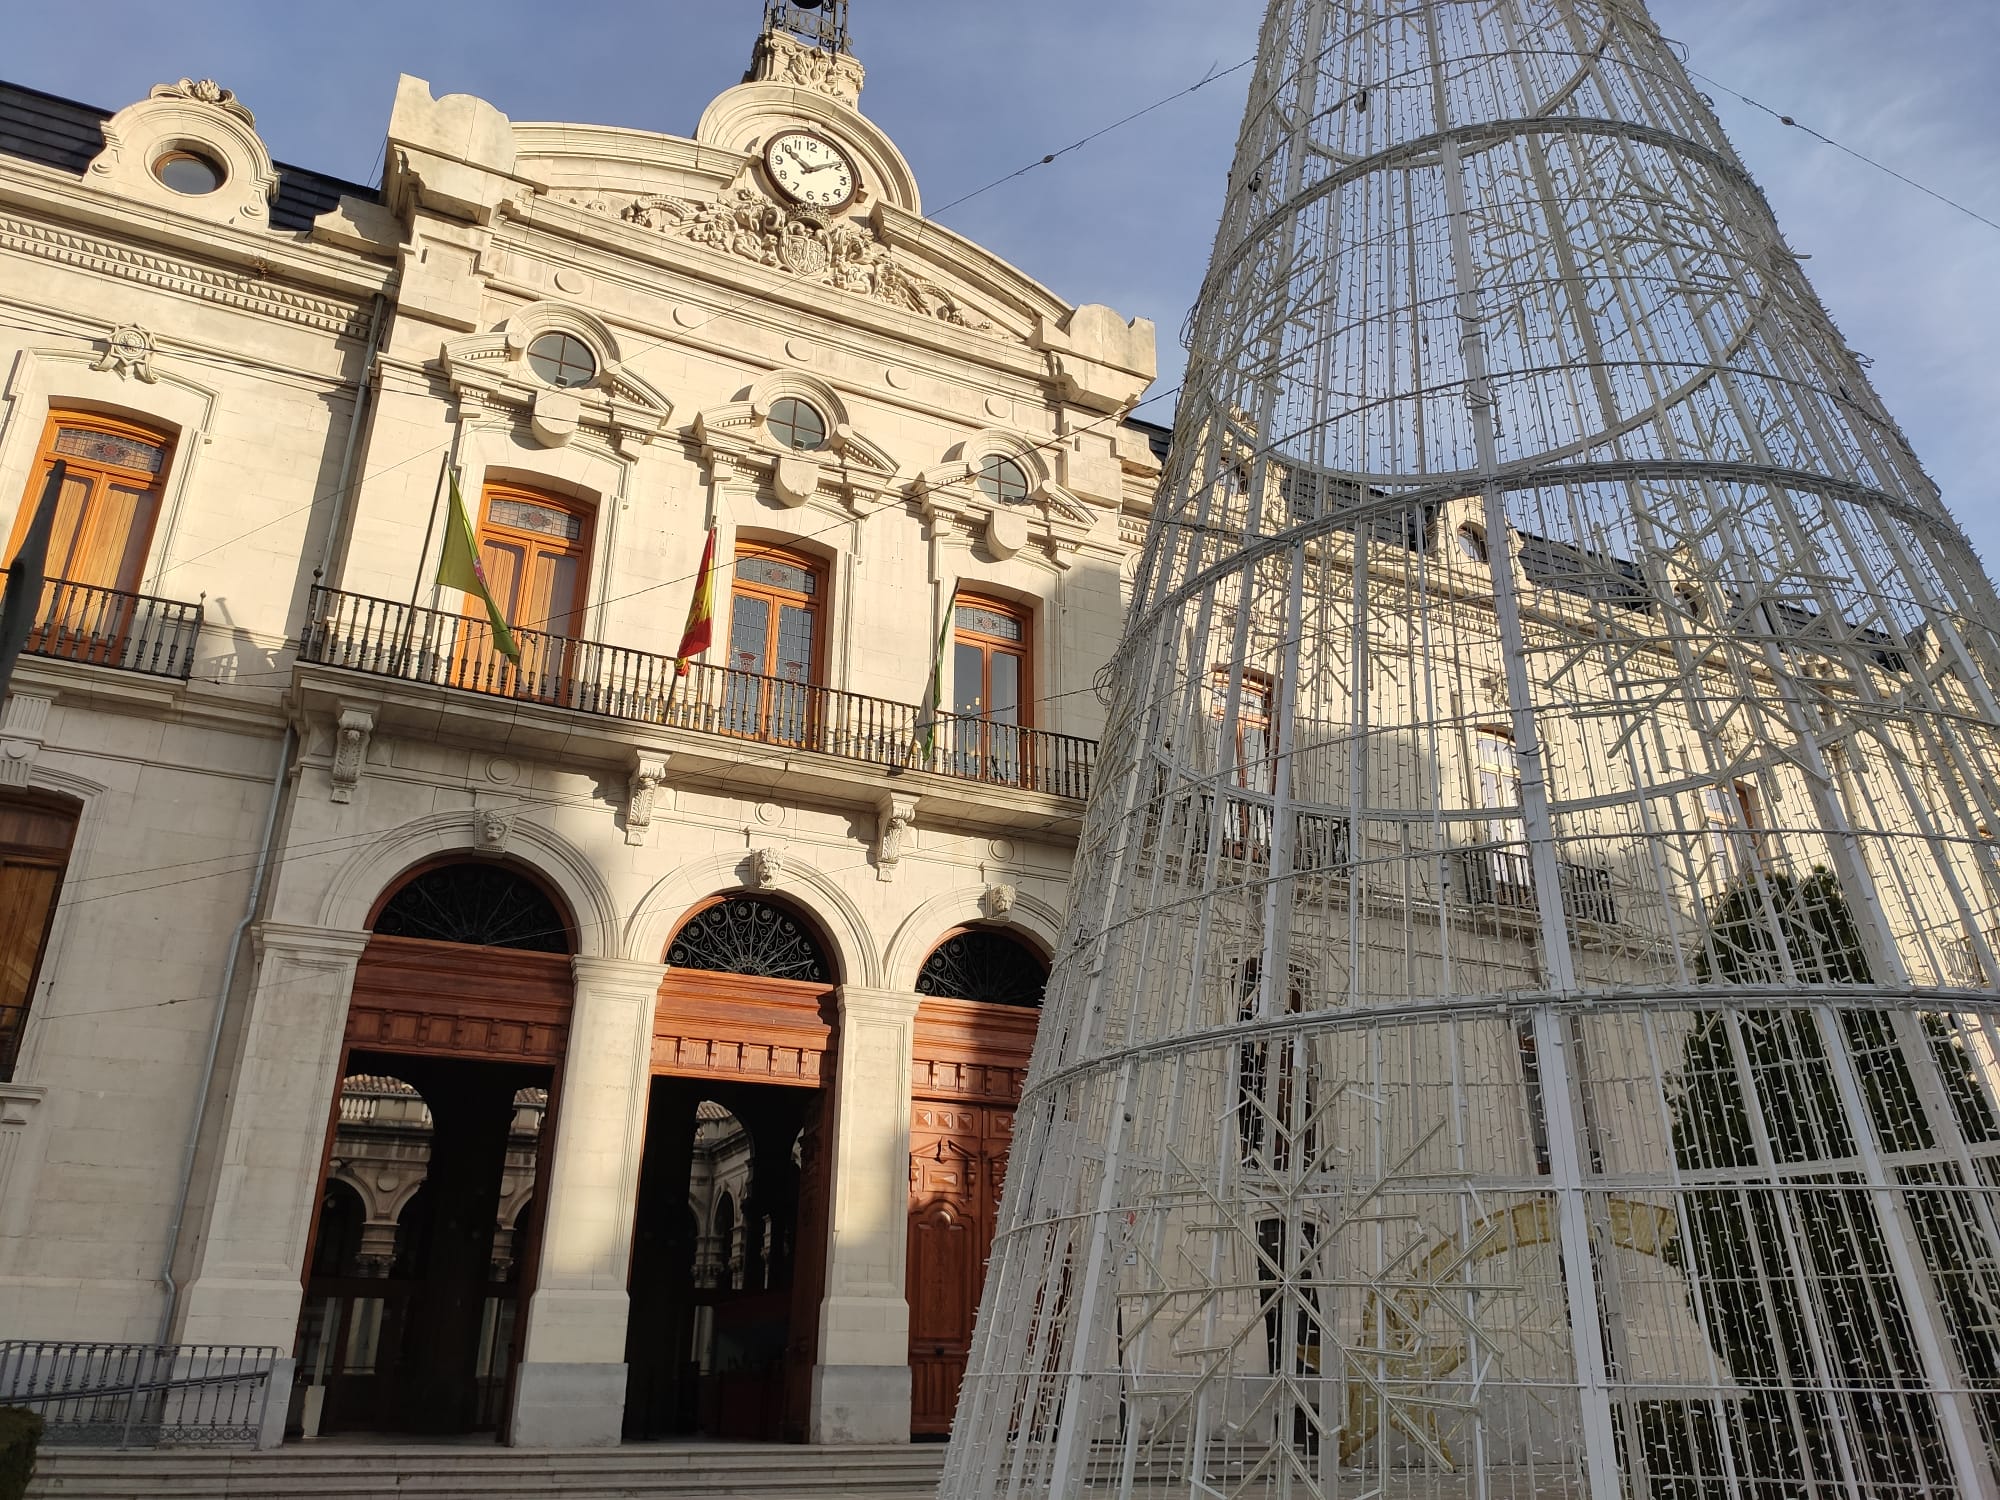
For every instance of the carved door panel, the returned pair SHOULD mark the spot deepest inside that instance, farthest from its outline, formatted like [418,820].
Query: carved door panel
[947,1241]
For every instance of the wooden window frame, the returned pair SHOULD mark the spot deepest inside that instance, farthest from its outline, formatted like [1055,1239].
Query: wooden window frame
[547,656]
[38,856]
[100,473]
[776,721]
[978,741]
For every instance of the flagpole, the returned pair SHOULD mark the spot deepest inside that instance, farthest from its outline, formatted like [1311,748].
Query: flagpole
[417,583]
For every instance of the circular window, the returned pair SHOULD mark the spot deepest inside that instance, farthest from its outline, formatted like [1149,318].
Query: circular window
[562,359]
[797,424]
[1471,544]
[189,173]
[1003,481]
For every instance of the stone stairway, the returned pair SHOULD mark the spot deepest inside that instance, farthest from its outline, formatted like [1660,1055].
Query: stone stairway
[354,1471]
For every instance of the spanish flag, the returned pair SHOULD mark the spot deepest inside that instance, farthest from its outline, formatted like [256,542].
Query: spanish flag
[458,568]
[701,610]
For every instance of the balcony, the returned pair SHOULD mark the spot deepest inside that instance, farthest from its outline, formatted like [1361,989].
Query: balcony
[110,628]
[1503,877]
[358,633]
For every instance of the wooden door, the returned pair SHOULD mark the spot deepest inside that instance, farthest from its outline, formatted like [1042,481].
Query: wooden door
[110,502]
[535,551]
[958,1156]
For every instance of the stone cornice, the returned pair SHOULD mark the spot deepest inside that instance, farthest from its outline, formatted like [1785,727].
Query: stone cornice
[172,273]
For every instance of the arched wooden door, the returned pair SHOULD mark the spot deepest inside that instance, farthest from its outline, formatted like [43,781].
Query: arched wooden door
[462,995]
[982,989]
[744,1017]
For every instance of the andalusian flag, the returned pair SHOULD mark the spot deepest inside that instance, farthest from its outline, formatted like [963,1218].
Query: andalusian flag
[458,568]
[932,708]
[701,610]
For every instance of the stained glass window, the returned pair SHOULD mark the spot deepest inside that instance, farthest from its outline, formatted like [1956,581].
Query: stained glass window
[487,905]
[111,448]
[748,935]
[776,573]
[981,964]
[523,515]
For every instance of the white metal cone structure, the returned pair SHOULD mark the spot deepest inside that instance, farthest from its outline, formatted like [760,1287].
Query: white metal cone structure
[1527,1022]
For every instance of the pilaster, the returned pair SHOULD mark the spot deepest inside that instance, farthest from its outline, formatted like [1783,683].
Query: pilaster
[570,1388]
[246,1288]
[861,1382]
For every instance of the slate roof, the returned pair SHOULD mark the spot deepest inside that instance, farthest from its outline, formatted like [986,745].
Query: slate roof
[63,134]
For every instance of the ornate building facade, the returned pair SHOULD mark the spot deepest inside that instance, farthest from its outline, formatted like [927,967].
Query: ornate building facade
[547,1043]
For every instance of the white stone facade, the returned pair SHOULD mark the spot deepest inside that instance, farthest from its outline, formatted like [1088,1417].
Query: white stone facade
[312,383]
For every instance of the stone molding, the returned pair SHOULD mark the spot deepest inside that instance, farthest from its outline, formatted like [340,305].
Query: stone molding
[352,731]
[241,290]
[642,791]
[23,728]
[616,401]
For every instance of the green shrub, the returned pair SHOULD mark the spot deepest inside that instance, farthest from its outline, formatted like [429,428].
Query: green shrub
[20,1431]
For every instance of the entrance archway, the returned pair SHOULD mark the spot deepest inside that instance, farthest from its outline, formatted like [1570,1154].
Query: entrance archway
[455,1038]
[729,1245]
[982,994]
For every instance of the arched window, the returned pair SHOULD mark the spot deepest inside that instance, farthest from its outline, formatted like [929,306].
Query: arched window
[488,905]
[35,836]
[749,935]
[979,963]
[115,473]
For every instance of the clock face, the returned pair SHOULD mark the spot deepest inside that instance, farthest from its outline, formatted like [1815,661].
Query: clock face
[809,170]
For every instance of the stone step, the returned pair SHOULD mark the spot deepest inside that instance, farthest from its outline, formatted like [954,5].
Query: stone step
[376,1472]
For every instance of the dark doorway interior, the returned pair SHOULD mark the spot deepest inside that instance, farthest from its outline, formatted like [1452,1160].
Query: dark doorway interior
[725,1279]
[412,1297]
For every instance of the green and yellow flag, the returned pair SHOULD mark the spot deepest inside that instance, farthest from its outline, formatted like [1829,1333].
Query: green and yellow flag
[931,710]
[458,568]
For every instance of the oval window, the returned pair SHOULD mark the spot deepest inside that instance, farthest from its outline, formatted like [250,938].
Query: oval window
[797,424]
[189,173]
[562,359]
[1003,481]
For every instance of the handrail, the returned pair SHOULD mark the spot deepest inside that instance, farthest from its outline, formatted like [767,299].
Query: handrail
[362,633]
[112,628]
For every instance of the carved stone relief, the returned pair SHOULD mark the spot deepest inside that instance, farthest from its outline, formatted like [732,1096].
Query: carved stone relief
[846,254]
[649,769]
[895,832]
[23,725]
[351,733]
[490,831]
[780,59]
[128,350]
[767,867]
[998,902]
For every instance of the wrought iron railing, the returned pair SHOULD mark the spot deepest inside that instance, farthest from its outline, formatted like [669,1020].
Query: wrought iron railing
[403,641]
[140,1395]
[1503,877]
[111,628]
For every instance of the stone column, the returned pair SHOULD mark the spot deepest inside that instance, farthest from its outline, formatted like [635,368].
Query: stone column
[570,1388]
[245,1288]
[861,1381]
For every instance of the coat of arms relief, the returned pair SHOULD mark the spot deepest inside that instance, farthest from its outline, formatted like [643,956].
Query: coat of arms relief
[840,253]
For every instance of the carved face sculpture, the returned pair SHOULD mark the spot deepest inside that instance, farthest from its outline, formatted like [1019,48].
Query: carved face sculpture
[809,170]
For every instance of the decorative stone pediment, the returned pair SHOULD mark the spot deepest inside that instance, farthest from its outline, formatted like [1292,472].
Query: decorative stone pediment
[623,405]
[847,253]
[193,118]
[849,468]
[1051,516]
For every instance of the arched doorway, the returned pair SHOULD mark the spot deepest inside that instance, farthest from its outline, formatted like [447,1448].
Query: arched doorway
[455,1038]
[982,993]
[729,1248]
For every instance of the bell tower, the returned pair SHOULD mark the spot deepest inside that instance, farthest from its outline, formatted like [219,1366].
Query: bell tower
[804,43]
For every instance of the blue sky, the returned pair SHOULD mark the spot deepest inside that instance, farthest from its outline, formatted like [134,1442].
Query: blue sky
[971,91]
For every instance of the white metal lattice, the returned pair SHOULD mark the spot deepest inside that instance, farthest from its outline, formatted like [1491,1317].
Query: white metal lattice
[1527,1024]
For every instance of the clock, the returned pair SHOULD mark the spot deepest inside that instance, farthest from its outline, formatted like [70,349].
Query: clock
[810,170]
